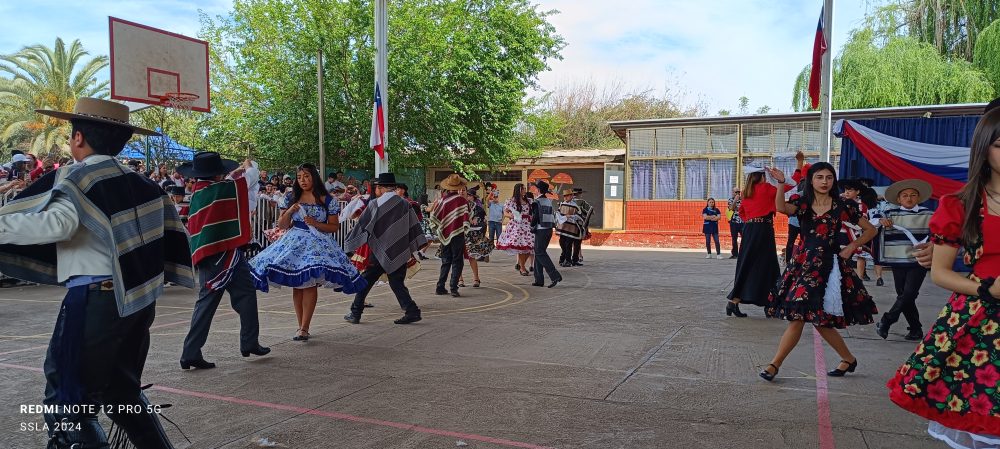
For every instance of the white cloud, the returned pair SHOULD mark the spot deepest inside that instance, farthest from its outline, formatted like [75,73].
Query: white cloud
[716,50]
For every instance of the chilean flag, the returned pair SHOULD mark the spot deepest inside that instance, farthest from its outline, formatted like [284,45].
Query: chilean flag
[377,139]
[819,47]
[945,168]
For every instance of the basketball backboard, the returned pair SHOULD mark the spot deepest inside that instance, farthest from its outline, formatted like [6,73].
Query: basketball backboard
[148,63]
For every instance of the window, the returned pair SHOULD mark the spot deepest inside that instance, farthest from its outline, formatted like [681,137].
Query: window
[667,179]
[697,162]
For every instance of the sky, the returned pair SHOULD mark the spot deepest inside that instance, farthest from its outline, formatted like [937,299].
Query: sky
[702,51]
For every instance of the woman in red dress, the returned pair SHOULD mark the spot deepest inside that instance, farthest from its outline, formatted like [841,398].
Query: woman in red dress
[952,377]
[820,286]
[757,263]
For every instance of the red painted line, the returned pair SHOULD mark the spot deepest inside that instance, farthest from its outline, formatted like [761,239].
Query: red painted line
[822,397]
[24,350]
[325,414]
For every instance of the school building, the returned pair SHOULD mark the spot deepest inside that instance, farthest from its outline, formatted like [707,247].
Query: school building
[673,165]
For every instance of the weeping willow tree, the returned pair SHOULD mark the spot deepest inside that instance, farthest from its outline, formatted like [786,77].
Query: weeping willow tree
[951,26]
[901,72]
[986,56]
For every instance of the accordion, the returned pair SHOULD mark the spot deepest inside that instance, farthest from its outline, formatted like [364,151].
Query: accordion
[896,242]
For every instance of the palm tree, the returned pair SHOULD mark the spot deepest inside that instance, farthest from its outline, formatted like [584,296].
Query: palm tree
[45,78]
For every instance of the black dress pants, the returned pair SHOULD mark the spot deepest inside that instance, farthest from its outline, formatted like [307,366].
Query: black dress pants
[242,297]
[111,358]
[908,281]
[542,259]
[397,281]
[452,260]
[566,244]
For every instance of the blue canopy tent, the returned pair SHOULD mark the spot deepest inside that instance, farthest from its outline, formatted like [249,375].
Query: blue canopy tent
[160,148]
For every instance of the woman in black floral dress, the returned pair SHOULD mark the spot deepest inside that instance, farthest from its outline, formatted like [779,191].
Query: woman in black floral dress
[802,296]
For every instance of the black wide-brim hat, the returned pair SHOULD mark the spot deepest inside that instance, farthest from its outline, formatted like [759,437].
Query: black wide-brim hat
[385,179]
[207,164]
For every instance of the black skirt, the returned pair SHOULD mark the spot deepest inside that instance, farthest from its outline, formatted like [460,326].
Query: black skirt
[757,269]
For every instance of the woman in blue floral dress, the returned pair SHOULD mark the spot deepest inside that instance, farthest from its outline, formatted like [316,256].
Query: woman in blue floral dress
[308,255]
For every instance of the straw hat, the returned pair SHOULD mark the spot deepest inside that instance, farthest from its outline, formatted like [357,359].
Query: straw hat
[566,192]
[101,111]
[453,182]
[922,187]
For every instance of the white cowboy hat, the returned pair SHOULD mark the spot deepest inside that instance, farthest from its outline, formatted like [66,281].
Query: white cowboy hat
[922,187]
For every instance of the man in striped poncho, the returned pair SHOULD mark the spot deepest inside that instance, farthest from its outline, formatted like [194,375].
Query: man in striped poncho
[904,227]
[449,219]
[391,229]
[219,223]
[111,237]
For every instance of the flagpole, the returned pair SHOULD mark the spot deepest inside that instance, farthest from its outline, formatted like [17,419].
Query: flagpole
[382,79]
[826,84]
[319,108]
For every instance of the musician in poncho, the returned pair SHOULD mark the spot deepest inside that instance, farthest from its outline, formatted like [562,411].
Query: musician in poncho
[391,229]
[112,237]
[571,227]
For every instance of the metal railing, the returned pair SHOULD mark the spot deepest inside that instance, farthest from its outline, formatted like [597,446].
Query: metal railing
[266,217]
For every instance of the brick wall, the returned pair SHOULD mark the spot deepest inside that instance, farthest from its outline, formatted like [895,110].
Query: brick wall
[671,224]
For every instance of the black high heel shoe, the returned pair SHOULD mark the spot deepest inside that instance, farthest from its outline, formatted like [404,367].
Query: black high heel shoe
[837,372]
[767,375]
[734,309]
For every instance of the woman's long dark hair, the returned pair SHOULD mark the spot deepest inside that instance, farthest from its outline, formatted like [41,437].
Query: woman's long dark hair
[518,196]
[809,193]
[714,206]
[971,195]
[752,180]
[318,190]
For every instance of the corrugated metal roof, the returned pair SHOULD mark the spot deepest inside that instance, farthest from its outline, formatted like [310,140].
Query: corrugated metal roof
[620,127]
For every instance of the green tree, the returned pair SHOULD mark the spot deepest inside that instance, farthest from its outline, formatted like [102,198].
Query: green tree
[458,71]
[45,78]
[902,72]
[987,54]
[583,111]
[744,103]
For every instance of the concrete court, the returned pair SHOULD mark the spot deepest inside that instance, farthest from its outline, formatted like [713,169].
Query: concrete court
[631,351]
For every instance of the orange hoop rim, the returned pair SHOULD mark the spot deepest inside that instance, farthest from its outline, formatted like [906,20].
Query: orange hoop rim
[179,99]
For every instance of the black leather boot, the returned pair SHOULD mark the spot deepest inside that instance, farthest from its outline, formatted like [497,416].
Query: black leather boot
[68,431]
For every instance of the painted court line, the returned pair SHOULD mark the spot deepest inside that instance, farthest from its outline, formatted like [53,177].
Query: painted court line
[822,396]
[325,414]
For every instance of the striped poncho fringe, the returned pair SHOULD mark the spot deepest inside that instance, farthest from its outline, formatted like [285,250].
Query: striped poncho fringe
[450,217]
[391,230]
[132,216]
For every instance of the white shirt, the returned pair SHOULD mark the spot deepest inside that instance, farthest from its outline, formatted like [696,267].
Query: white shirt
[78,250]
[385,197]
[331,186]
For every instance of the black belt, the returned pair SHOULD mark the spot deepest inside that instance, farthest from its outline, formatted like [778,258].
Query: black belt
[104,286]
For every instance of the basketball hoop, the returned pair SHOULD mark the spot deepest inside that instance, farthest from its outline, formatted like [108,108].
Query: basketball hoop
[182,101]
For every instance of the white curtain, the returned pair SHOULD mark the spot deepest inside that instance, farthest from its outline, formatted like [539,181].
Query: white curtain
[723,178]
[667,179]
[695,179]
